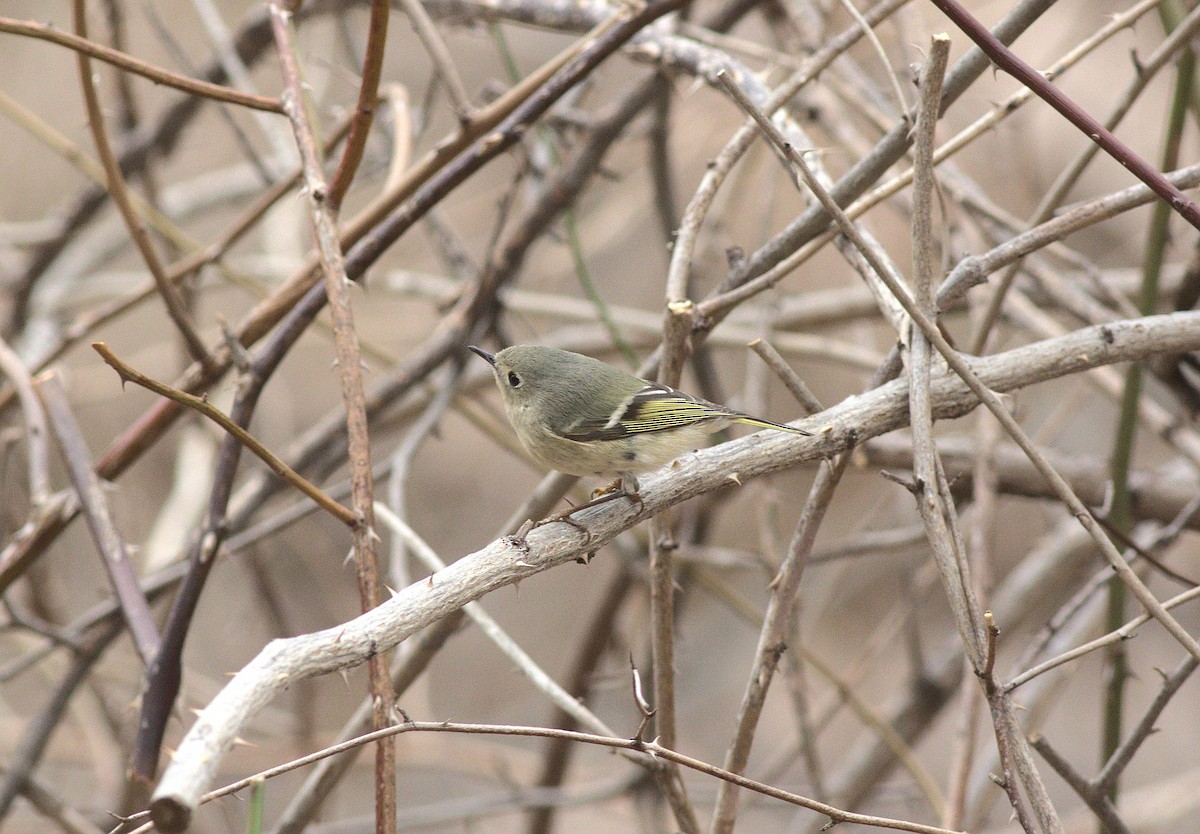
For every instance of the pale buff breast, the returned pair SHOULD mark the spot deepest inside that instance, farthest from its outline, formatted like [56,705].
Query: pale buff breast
[609,458]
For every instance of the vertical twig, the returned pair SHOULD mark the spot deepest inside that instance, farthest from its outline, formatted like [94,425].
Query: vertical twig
[676,326]
[439,55]
[120,194]
[976,629]
[349,358]
[772,637]
[364,108]
[1125,440]
[35,426]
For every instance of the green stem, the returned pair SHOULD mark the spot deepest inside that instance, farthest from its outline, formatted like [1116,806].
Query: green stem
[1121,516]
[1172,13]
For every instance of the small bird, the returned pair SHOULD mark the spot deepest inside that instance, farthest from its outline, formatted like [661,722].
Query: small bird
[578,415]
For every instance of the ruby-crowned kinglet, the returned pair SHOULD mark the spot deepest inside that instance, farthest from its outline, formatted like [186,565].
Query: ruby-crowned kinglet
[581,416]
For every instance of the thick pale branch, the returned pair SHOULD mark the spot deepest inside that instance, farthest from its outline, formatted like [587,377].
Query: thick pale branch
[282,662]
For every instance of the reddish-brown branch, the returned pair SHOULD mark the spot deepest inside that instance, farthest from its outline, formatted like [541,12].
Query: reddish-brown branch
[120,194]
[364,108]
[349,359]
[127,62]
[1008,61]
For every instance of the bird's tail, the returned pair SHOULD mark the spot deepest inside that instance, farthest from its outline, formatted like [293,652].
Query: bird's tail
[767,424]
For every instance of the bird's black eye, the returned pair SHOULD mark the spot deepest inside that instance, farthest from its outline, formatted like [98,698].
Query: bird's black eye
[514,379]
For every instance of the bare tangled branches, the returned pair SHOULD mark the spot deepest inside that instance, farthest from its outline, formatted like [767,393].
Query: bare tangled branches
[926,617]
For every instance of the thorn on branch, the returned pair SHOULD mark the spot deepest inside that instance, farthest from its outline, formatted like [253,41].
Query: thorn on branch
[643,704]
[913,485]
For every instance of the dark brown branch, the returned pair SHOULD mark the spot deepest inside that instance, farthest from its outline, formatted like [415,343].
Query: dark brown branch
[164,673]
[1004,58]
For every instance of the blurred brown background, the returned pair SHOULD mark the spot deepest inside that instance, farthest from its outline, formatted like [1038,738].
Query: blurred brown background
[872,617]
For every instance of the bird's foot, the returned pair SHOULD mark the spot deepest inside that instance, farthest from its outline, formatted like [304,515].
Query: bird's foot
[565,517]
[617,486]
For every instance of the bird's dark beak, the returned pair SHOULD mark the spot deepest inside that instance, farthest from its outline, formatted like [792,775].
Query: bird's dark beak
[490,357]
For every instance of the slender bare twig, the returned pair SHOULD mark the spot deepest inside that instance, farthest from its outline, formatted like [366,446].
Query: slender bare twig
[890,735]
[1124,753]
[120,194]
[176,50]
[1100,804]
[1121,634]
[130,374]
[984,494]
[110,543]
[470,578]
[771,639]
[236,68]
[993,403]
[790,378]
[1098,133]
[322,213]
[36,434]
[636,745]
[117,58]
[936,506]
[439,55]
[663,543]
[974,269]
[364,108]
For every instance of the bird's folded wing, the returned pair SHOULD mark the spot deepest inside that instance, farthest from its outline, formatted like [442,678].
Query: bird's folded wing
[655,408]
